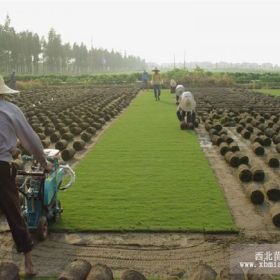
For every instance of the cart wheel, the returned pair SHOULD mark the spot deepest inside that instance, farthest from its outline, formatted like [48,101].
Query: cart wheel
[57,215]
[42,230]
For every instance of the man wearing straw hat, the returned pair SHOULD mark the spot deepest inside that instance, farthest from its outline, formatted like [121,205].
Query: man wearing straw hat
[13,126]
[156,82]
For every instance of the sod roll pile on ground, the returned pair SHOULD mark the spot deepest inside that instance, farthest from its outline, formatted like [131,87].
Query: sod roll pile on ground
[145,174]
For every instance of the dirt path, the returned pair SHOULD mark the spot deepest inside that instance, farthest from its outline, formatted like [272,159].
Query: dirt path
[155,255]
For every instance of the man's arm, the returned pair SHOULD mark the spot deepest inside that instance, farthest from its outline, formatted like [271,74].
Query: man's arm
[29,139]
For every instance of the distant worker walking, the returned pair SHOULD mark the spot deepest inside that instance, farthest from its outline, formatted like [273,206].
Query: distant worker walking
[12,82]
[178,91]
[186,110]
[156,83]
[173,85]
[145,79]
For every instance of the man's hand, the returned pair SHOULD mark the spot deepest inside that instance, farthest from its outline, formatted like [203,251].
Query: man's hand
[49,166]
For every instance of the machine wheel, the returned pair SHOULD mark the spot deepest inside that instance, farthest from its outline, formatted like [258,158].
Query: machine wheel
[42,229]
[57,215]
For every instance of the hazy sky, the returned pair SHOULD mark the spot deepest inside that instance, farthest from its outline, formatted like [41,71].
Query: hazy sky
[221,30]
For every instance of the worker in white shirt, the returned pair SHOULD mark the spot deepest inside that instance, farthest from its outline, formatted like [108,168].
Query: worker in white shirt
[186,109]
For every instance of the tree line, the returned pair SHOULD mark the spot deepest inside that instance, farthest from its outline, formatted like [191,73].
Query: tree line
[26,53]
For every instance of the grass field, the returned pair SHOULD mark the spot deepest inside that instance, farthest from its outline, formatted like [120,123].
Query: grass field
[145,174]
[270,91]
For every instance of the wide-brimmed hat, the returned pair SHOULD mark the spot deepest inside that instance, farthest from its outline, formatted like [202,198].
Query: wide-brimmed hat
[5,89]
[155,69]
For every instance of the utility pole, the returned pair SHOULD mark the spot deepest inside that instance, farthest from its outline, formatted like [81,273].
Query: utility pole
[174,64]
[184,60]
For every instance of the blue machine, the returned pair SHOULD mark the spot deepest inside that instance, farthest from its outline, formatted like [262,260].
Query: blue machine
[40,203]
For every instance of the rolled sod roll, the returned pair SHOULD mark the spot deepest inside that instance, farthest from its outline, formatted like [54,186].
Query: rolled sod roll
[67,136]
[274,118]
[78,270]
[55,137]
[272,160]
[255,123]
[248,119]
[101,272]
[217,140]
[203,272]
[234,147]
[256,138]
[38,130]
[213,131]
[244,173]
[272,190]
[74,124]
[49,130]
[237,274]
[209,125]
[245,133]
[227,139]
[9,271]
[132,275]
[276,139]
[96,125]
[217,126]
[255,274]
[262,126]
[276,128]
[76,130]
[258,174]
[61,145]
[46,143]
[275,214]
[85,125]
[64,130]
[266,141]
[243,159]
[79,145]
[223,148]
[91,130]
[222,132]
[270,132]
[239,128]
[232,159]
[250,128]
[42,136]
[107,117]
[86,136]
[67,154]
[258,149]
[255,193]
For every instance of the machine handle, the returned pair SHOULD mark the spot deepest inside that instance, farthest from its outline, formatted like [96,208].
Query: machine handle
[31,173]
[70,171]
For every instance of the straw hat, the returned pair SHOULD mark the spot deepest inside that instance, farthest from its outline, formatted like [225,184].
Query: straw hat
[5,89]
[155,69]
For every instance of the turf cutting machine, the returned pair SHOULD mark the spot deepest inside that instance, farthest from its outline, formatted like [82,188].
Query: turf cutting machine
[39,191]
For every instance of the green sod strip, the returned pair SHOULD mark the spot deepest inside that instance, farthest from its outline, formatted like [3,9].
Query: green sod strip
[146,174]
[275,92]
